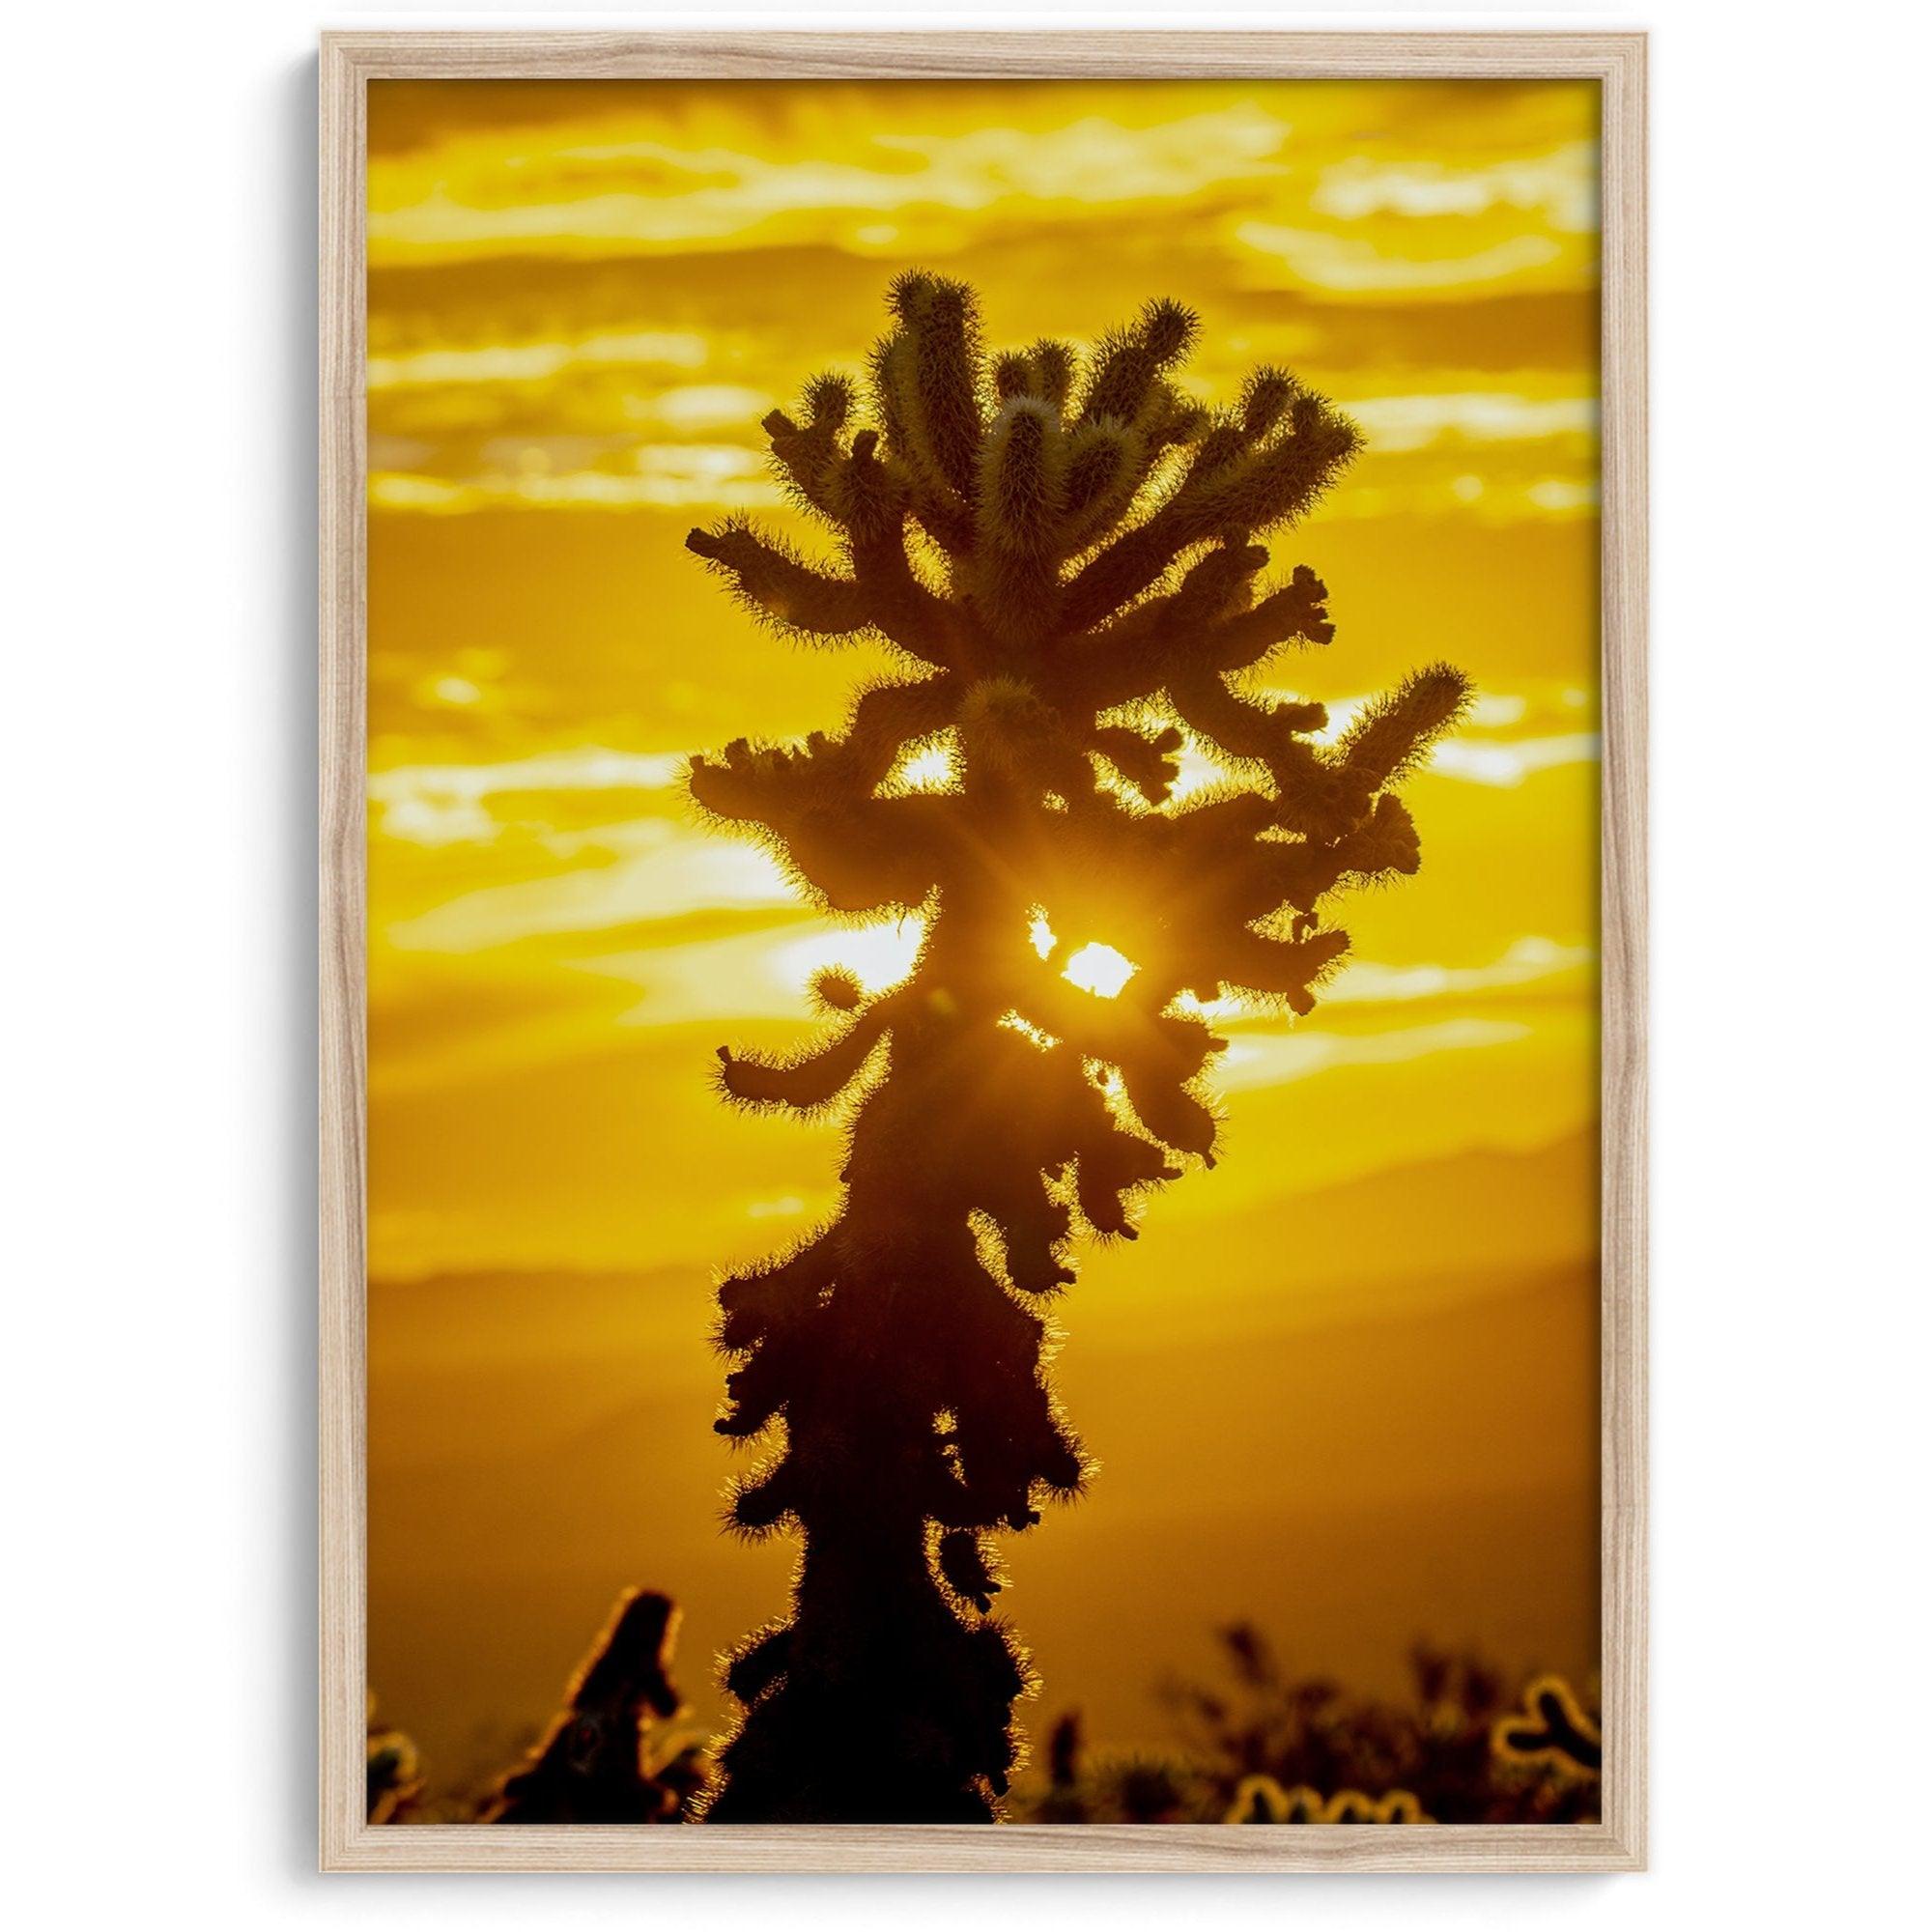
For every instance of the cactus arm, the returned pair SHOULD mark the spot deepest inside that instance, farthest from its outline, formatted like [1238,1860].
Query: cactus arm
[813,1080]
[1390,735]
[779,586]
[1295,613]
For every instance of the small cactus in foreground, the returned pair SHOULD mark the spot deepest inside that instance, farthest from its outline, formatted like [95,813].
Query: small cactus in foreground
[394,1771]
[1550,1728]
[1261,1800]
[1063,554]
[589,1767]
[1455,1747]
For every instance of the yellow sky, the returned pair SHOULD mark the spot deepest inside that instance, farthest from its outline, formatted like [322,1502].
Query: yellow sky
[583,297]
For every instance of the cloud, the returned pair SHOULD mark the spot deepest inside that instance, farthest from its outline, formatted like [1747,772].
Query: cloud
[618,197]
[1510,762]
[445,804]
[1560,185]
[1098,160]
[539,362]
[662,475]
[1481,499]
[1527,961]
[670,872]
[1342,265]
[1403,423]
[745,977]
[1369,983]
[703,405]
[1272,1060]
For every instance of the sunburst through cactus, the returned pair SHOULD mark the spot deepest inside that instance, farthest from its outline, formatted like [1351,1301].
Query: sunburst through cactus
[1063,551]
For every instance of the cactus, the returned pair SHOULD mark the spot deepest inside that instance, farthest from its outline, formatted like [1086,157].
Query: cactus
[1270,1744]
[395,1771]
[1062,554]
[1550,1728]
[589,1766]
[1260,1799]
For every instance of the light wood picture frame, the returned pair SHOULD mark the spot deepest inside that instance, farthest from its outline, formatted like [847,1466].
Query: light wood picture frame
[348,62]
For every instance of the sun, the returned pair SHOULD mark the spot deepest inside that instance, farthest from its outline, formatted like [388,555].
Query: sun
[1099,969]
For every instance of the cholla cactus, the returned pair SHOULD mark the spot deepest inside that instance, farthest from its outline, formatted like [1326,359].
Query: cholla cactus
[395,1772]
[1065,559]
[1551,1730]
[589,1766]
[1260,1799]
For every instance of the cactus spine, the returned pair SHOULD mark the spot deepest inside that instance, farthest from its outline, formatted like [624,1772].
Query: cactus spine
[1063,559]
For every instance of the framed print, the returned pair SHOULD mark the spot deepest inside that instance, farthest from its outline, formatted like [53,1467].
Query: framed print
[983,979]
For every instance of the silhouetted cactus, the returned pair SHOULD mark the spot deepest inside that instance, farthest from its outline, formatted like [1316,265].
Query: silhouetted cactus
[1063,1746]
[1065,555]
[1068,1797]
[589,1768]
[394,1767]
[1550,1728]
[1268,1745]
[1261,1800]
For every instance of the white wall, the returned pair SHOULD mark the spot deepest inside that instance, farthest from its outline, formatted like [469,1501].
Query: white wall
[157,772]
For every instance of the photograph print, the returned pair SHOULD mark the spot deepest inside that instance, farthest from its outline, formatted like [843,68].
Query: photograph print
[983,795]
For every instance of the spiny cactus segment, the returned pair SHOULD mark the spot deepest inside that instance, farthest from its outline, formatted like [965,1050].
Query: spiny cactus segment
[590,1765]
[1550,1728]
